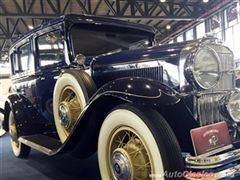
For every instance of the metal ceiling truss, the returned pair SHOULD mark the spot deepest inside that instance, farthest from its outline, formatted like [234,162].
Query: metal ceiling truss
[17,15]
[124,9]
[180,27]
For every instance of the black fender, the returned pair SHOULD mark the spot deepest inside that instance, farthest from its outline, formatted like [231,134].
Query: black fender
[28,120]
[141,91]
[145,92]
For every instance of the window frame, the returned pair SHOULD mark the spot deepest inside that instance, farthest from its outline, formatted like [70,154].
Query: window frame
[15,51]
[37,55]
[70,40]
[19,57]
[13,60]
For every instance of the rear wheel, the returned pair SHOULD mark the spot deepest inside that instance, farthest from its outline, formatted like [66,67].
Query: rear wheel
[20,150]
[2,131]
[136,144]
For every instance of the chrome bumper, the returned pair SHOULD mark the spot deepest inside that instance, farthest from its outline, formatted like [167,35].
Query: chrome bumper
[227,162]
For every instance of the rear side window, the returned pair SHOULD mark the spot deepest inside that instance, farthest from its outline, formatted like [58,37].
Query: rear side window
[15,63]
[22,59]
[50,48]
[26,58]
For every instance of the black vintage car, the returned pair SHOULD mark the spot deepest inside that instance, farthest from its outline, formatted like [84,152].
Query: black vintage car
[83,84]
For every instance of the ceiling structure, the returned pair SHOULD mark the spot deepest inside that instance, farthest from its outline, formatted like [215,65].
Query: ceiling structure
[19,16]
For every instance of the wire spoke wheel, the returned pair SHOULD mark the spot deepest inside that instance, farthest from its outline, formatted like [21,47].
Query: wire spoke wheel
[129,157]
[71,94]
[70,107]
[137,143]
[20,150]
[13,134]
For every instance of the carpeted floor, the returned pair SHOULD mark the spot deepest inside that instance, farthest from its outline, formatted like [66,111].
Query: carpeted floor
[41,167]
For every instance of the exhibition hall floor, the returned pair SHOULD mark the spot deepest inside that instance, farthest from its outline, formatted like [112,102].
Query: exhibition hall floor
[41,167]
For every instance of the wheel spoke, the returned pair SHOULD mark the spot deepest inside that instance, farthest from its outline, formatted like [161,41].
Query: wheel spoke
[125,141]
[136,151]
[121,141]
[121,144]
[72,99]
[129,134]
[147,165]
[69,96]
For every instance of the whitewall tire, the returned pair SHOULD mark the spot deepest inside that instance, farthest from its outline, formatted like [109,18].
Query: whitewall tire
[130,147]
[71,93]
[67,84]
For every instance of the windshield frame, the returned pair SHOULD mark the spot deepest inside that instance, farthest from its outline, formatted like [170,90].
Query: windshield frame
[149,36]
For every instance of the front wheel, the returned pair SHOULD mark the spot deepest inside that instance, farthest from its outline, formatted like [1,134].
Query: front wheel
[137,144]
[71,93]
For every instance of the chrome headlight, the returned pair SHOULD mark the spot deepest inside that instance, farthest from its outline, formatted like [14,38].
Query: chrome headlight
[202,69]
[233,106]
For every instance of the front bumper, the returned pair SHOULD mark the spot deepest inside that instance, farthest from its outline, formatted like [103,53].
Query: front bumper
[225,165]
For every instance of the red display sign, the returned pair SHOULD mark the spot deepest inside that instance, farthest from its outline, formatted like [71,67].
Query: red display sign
[211,139]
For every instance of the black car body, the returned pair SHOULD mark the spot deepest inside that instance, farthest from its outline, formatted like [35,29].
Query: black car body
[189,84]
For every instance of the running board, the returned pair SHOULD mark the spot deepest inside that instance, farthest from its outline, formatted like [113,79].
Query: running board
[42,143]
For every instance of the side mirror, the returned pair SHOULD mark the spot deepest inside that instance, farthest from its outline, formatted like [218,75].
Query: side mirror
[80,59]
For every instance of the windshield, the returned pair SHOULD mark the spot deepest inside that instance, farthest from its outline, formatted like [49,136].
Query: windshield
[94,40]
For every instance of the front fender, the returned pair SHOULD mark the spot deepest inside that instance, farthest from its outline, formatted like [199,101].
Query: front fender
[82,142]
[141,91]
[135,90]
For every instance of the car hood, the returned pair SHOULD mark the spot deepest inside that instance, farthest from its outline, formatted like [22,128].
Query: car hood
[146,54]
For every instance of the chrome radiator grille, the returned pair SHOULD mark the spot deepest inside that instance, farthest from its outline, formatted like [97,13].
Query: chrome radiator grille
[208,111]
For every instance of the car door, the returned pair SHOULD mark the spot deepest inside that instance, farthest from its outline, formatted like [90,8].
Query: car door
[24,79]
[50,59]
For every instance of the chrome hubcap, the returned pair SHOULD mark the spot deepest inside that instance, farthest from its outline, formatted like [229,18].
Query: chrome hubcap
[121,165]
[64,114]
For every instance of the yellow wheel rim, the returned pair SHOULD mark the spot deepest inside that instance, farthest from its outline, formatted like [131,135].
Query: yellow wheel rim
[129,157]
[70,107]
[13,133]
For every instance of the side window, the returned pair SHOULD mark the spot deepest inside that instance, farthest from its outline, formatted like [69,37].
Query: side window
[50,48]
[26,58]
[15,63]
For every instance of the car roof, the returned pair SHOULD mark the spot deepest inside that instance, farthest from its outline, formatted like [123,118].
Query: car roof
[88,19]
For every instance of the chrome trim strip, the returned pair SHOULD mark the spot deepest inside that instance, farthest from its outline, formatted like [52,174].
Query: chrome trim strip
[226,173]
[230,172]
[212,161]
